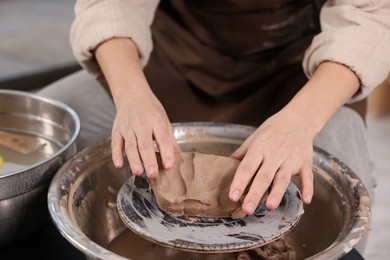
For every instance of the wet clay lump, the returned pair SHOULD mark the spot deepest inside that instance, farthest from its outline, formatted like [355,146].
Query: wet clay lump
[197,185]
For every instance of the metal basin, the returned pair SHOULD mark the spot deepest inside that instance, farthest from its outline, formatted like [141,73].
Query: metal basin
[82,202]
[25,179]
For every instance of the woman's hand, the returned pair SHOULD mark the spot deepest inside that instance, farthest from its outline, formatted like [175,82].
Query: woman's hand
[283,145]
[140,120]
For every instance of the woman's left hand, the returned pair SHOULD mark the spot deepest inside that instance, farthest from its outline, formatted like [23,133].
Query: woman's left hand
[281,147]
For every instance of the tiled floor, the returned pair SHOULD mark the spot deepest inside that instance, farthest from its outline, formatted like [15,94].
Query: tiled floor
[34,35]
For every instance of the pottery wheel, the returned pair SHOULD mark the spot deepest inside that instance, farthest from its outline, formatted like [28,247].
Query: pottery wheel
[140,213]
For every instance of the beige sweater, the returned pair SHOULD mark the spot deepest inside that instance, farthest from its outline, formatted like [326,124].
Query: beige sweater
[355,33]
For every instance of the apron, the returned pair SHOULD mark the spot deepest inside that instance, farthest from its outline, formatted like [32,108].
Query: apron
[229,61]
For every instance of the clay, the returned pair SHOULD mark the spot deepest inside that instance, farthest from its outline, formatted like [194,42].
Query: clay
[277,250]
[198,185]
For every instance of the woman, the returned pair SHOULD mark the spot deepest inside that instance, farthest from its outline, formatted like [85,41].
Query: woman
[271,64]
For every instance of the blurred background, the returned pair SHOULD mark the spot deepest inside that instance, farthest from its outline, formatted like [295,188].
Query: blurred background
[34,45]
[35,51]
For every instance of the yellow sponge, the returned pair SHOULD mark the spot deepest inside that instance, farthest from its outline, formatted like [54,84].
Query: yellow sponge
[1,161]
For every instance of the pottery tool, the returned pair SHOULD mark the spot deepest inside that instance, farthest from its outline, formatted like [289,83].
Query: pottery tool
[139,212]
[22,143]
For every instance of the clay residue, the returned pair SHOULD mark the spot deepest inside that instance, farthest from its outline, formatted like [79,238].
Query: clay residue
[277,250]
[198,185]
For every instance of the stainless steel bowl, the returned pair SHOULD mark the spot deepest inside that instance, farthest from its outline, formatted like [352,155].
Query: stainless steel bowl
[23,189]
[82,201]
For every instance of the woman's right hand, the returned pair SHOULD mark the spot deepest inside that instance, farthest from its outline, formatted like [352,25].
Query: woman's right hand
[141,122]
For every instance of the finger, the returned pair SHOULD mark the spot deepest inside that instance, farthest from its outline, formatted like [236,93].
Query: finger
[241,151]
[131,149]
[260,184]
[245,171]
[166,147]
[306,176]
[279,187]
[117,149]
[147,152]
[176,146]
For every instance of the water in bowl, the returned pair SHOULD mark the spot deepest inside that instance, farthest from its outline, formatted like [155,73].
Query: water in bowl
[14,161]
[132,246]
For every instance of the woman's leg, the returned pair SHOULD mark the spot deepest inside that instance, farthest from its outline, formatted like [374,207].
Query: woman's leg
[344,136]
[91,102]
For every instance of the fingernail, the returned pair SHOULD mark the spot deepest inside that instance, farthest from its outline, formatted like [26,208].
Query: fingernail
[250,207]
[235,195]
[152,172]
[168,164]
[136,168]
[307,199]
[273,202]
[117,163]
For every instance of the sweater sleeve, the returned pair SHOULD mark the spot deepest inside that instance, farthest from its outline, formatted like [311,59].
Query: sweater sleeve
[99,20]
[355,33]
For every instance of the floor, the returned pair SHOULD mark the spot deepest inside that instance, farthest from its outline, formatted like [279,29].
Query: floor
[34,37]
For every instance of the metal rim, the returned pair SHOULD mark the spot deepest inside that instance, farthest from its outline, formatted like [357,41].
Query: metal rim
[358,228]
[58,104]
[361,220]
